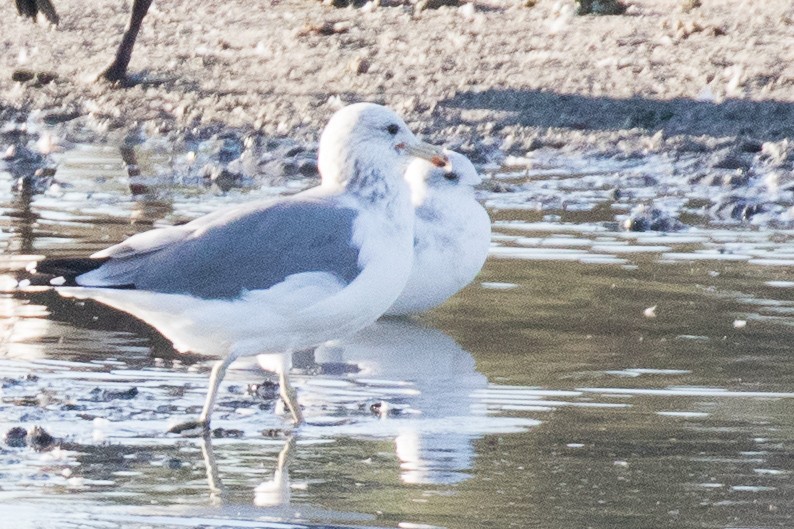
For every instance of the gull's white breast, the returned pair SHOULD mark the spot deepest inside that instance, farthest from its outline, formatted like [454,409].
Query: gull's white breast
[304,310]
[452,237]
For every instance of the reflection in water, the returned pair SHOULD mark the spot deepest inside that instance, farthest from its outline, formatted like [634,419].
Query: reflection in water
[276,491]
[22,327]
[435,379]
[21,220]
[213,477]
[679,420]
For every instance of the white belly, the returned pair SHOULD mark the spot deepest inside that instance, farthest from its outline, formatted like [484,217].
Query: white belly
[304,310]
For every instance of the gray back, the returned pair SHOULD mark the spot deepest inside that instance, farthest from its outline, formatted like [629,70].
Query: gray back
[252,251]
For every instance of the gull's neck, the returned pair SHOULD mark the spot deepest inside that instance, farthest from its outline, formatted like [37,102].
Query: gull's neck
[369,183]
[375,183]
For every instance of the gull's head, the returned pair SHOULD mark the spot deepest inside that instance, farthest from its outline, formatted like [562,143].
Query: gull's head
[427,179]
[366,134]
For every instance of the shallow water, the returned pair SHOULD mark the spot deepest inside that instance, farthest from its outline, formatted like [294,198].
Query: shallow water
[588,378]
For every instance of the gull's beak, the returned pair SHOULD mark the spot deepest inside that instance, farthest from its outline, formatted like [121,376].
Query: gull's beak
[431,153]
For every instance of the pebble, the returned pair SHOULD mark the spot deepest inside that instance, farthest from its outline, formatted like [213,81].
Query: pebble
[227,433]
[107,395]
[16,437]
[266,390]
[40,440]
[645,218]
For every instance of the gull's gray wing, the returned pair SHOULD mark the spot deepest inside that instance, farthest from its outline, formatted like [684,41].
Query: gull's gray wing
[251,249]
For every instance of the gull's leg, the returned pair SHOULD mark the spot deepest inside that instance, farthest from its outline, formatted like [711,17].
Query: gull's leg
[290,397]
[216,376]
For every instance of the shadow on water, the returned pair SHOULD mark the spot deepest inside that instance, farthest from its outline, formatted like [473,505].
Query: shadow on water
[763,120]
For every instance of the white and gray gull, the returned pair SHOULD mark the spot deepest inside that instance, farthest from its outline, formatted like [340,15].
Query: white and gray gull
[274,276]
[452,233]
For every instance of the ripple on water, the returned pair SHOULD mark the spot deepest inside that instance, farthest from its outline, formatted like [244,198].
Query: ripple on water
[684,396]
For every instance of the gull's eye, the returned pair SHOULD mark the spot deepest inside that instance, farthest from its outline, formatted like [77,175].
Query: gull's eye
[393,129]
[451,176]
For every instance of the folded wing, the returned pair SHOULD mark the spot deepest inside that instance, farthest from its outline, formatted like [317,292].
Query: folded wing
[224,256]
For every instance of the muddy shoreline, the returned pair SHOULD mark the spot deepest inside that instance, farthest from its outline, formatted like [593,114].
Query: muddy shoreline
[491,79]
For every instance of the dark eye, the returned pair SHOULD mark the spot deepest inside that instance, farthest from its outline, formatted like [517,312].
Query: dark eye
[451,176]
[393,129]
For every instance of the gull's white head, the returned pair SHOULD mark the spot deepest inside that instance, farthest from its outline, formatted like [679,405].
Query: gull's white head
[366,135]
[427,179]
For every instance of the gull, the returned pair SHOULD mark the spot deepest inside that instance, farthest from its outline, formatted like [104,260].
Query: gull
[452,233]
[279,275]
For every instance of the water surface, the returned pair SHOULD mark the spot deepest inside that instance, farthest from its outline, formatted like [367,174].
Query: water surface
[589,377]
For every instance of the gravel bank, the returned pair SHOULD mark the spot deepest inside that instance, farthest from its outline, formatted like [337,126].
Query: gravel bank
[491,78]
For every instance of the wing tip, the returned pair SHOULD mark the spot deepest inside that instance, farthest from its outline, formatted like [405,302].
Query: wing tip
[65,270]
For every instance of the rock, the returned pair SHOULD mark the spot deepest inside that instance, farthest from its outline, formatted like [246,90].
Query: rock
[750,145]
[22,76]
[227,433]
[308,168]
[25,76]
[421,5]
[106,395]
[688,5]
[600,7]
[230,149]
[223,178]
[274,433]
[684,28]
[338,368]
[294,151]
[267,390]
[646,218]
[738,178]
[40,440]
[16,437]
[738,208]
[345,3]
[732,161]
[778,152]
[38,182]
[43,78]
[326,28]
[359,65]
[55,117]
[289,169]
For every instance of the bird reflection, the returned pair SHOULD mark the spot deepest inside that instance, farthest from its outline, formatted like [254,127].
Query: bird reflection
[421,383]
[272,493]
[419,373]
[422,380]
[211,466]
[276,491]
